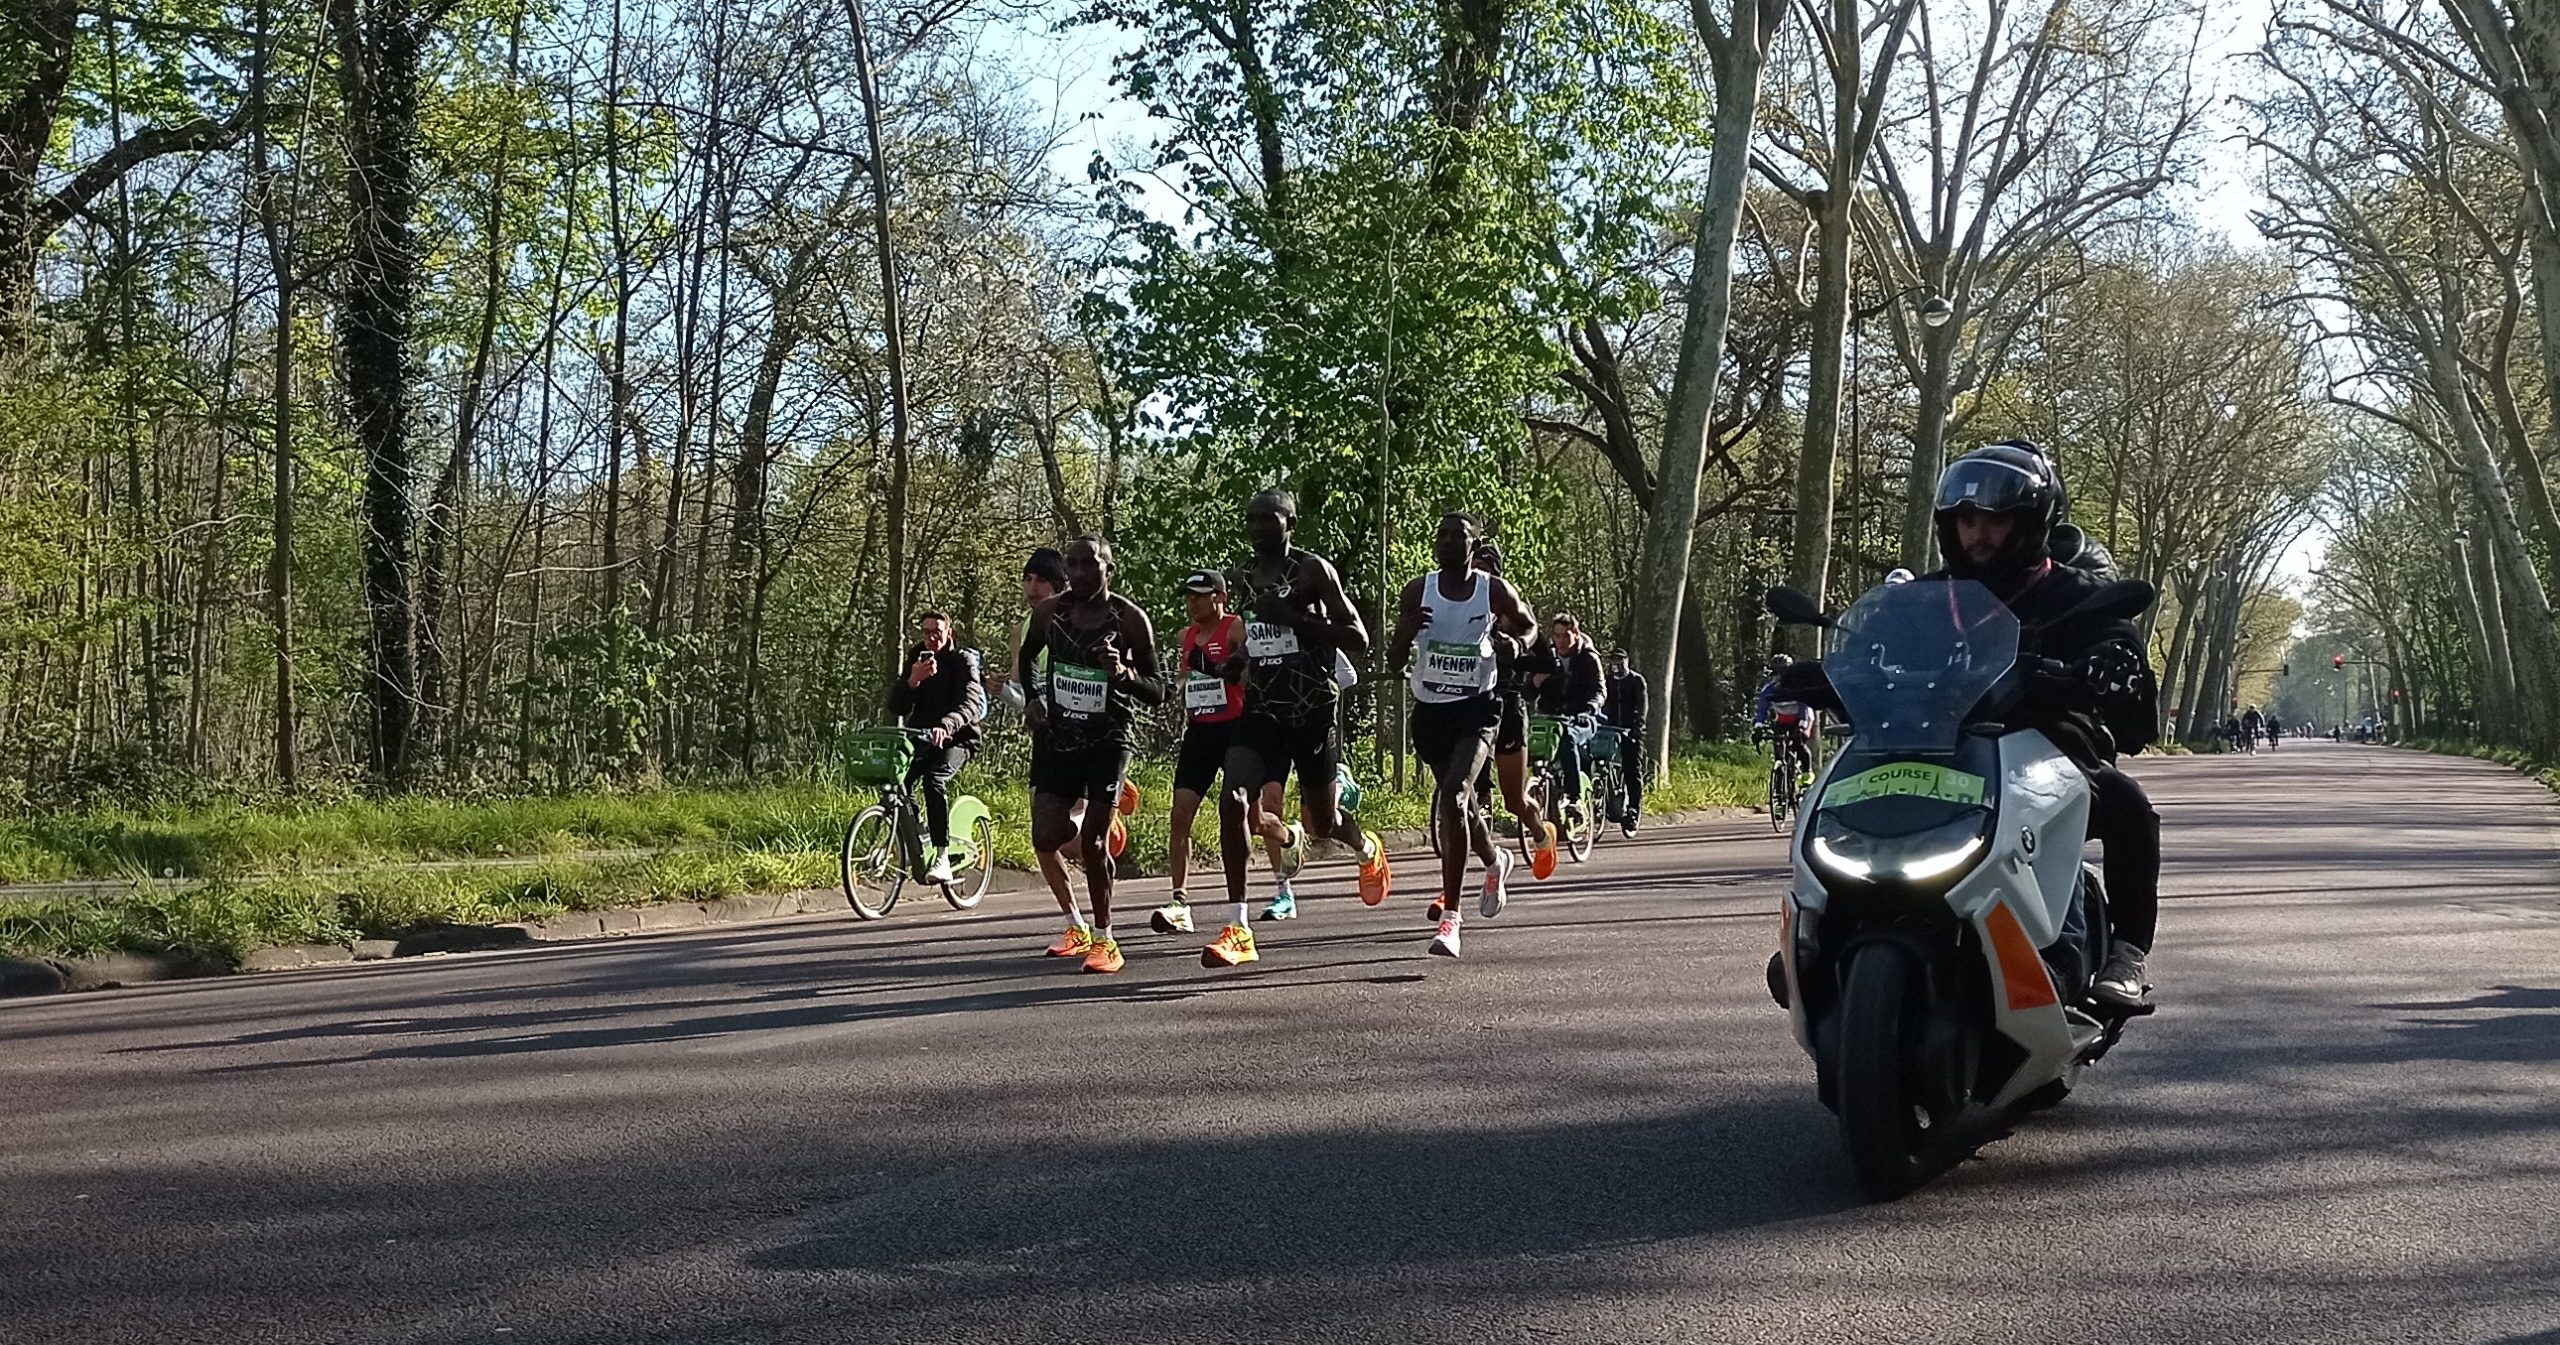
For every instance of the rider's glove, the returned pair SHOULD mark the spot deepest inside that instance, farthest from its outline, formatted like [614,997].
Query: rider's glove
[2113,668]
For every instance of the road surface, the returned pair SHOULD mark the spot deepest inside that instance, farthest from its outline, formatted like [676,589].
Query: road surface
[2344,1126]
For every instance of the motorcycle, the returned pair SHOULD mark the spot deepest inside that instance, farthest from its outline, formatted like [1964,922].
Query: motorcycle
[1941,931]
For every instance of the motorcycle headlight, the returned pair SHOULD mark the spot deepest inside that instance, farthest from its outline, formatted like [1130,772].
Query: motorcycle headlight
[1937,853]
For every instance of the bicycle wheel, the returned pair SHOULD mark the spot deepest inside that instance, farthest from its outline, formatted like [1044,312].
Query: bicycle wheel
[869,863]
[971,886]
[1781,784]
[1581,830]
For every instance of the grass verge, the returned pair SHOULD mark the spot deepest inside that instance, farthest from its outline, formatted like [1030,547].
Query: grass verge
[2514,758]
[731,843]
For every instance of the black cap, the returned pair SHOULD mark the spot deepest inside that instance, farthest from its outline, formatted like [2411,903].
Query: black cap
[1048,563]
[1205,581]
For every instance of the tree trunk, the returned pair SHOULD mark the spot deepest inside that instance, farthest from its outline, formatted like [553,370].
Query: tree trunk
[894,343]
[379,80]
[1738,61]
[1929,447]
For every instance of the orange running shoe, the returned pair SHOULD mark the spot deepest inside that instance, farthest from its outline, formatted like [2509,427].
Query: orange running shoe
[1542,861]
[1130,800]
[1119,840]
[1105,957]
[1376,879]
[1232,947]
[1076,942]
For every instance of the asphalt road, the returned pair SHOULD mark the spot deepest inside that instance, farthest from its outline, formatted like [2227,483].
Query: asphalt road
[2344,1126]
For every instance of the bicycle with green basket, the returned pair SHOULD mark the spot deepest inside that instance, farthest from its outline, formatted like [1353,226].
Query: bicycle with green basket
[885,846]
[1576,829]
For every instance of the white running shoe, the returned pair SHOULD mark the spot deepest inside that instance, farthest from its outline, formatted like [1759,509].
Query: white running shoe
[1497,886]
[1293,854]
[1445,943]
[941,870]
[1173,917]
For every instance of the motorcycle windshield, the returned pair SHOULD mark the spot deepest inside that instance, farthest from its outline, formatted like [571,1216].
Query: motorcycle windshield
[1915,659]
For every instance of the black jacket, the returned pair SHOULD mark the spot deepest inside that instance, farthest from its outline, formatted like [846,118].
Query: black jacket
[1575,684]
[1628,700]
[953,699]
[2109,702]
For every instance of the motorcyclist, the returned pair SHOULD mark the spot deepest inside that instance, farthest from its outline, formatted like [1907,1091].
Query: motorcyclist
[1997,508]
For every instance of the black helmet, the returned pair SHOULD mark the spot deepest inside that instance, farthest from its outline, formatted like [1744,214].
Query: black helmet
[1778,663]
[2014,478]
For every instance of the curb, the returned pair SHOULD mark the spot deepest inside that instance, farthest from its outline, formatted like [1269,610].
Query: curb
[22,977]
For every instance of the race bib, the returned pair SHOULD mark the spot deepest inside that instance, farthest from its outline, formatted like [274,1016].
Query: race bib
[1204,694]
[1454,666]
[1265,640]
[1078,690]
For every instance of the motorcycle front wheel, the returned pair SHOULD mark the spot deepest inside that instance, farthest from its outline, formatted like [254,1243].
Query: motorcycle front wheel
[1884,1116]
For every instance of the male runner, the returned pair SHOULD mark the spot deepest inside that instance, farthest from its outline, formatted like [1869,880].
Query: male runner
[1296,617]
[1212,671]
[1101,655]
[1462,616]
[1044,576]
[1511,740]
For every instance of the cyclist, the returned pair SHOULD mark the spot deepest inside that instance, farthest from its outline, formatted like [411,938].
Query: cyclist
[1571,688]
[1211,667]
[1461,616]
[941,696]
[1297,618]
[1512,670]
[2253,726]
[1101,660]
[1625,711]
[1783,719]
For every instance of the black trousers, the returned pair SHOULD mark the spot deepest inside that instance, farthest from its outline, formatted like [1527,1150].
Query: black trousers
[930,775]
[1631,757]
[2122,818]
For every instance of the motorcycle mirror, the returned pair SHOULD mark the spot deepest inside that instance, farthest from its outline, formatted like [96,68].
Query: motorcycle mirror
[1795,609]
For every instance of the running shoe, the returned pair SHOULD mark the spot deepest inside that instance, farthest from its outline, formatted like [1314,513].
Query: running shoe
[1293,854]
[1076,942]
[941,870]
[1375,877]
[1105,957]
[1173,917]
[1282,907]
[1130,799]
[1119,839]
[1497,886]
[1445,943]
[1232,947]
[1542,861]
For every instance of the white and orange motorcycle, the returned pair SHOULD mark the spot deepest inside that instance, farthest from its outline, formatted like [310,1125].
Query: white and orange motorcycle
[1941,929]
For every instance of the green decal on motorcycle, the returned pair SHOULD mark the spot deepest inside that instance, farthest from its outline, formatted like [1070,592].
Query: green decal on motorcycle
[1915,778]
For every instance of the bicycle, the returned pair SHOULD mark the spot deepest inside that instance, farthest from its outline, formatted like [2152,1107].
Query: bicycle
[885,845]
[1576,833]
[1609,775]
[1789,763]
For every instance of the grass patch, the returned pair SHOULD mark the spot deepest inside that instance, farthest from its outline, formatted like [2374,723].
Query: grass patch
[2512,757]
[328,873]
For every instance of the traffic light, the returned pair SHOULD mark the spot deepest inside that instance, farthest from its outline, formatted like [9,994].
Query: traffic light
[2338,661]
[2285,669]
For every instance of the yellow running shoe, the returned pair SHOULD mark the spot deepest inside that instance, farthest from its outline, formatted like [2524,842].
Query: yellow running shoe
[1376,879]
[1076,942]
[1232,947]
[1105,957]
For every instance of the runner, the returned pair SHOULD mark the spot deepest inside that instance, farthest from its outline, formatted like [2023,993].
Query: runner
[1101,660]
[1044,575]
[1296,619]
[1511,740]
[1463,617]
[1212,669]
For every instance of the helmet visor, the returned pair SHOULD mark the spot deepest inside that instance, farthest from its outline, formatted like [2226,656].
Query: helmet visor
[1989,485]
